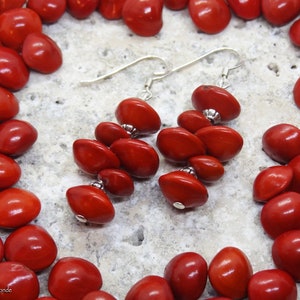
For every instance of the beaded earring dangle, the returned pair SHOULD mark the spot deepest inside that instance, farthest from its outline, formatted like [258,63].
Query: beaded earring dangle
[117,155]
[201,142]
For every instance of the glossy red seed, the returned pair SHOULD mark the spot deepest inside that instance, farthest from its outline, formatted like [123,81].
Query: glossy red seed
[210,16]
[137,157]
[295,165]
[176,4]
[246,9]
[296,89]
[281,214]
[192,120]
[9,4]
[16,137]
[186,274]
[92,156]
[50,11]
[111,9]
[150,287]
[229,273]
[82,9]
[14,74]
[272,284]
[286,253]
[222,142]
[41,53]
[207,168]
[18,207]
[294,35]
[9,105]
[182,190]
[108,132]
[217,98]
[98,295]
[73,278]
[139,114]
[90,204]
[16,24]
[280,12]
[281,142]
[32,246]
[178,145]
[1,250]
[271,182]
[143,17]
[117,182]
[18,281]
[10,172]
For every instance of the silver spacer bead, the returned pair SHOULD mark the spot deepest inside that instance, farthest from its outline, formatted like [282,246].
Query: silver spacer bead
[81,219]
[178,205]
[189,170]
[98,184]
[212,115]
[131,130]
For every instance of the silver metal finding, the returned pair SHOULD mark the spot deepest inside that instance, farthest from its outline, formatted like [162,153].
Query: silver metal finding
[212,115]
[146,93]
[98,184]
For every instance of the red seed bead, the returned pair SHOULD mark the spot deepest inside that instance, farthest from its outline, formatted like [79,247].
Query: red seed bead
[192,120]
[92,156]
[187,275]
[148,287]
[9,105]
[222,142]
[16,24]
[32,246]
[139,114]
[10,172]
[178,145]
[73,278]
[90,204]
[137,157]
[18,207]
[117,182]
[14,74]
[295,165]
[98,295]
[16,137]
[217,98]
[229,273]
[1,250]
[281,214]
[271,182]
[82,9]
[9,4]
[246,9]
[296,89]
[286,253]
[111,9]
[294,35]
[182,190]
[281,142]
[108,132]
[50,11]
[207,168]
[272,284]
[21,282]
[176,4]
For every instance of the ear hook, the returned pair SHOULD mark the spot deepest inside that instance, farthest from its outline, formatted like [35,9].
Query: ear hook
[224,75]
[147,57]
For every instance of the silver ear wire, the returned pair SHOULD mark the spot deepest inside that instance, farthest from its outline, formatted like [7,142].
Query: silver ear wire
[146,93]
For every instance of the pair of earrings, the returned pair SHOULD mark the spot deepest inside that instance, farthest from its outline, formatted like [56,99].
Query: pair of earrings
[201,143]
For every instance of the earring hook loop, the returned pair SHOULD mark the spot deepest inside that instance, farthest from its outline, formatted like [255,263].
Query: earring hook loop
[126,66]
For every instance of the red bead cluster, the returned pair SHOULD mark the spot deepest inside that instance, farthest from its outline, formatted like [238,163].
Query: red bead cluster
[277,188]
[114,157]
[201,145]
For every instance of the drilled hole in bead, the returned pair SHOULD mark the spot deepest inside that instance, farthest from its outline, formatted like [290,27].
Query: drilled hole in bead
[81,219]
